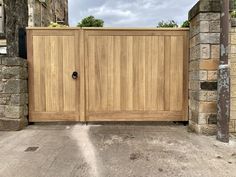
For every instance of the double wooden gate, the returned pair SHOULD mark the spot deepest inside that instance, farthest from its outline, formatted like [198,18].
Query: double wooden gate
[99,74]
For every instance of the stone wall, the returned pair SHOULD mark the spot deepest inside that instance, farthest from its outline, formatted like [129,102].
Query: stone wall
[41,14]
[16,13]
[13,93]
[232,56]
[204,60]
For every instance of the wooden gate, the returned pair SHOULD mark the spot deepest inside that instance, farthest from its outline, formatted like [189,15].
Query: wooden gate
[53,56]
[124,74]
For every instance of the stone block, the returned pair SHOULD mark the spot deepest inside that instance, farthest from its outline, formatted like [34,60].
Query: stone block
[18,99]
[4,99]
[194,105]
[210,16]
[14,112]
[26,110]
[233,104]
[207,129]
[202,75]
[12,72]
[202,119]
[195,53]
[207,95]
[1,86]
[16,86]
[233,69]
[194,85]
[14,61]
[205,51]
[2,110]
[194,95]
[232,58]
[193,116]
[12,124]
[193,75]
[233,49]
[209,38]
[233,38]
[214,26]
[211,64]
[206,118]
[233,90]
[194,65]
[207,107]
[215,51]
[204,26]
[212,76]
[232,126]
[233,80]
[193,41]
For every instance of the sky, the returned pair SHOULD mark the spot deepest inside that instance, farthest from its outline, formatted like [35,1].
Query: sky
[130,13]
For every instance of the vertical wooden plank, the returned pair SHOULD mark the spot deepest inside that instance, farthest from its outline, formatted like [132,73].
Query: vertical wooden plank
[103,70]
[161,74]
[130,58]
[69,66]
[148,75]
[60,73]
[110,74]
[48,78]
[91,102]
[116,79]
[38,56]
[154,72]
[135,73]
[123,74]
[142,68]
[179,72]
[174,75]
[97,78]
[81,55]
[167,71]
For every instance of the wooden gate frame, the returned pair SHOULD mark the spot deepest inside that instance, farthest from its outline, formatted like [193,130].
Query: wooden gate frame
[81,44]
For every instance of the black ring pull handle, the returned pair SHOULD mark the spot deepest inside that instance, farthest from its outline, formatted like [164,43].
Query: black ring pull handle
[75,75]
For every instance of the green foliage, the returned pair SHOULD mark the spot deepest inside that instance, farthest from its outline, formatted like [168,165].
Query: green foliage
[167,24]
[56,25]
[91,21]
[186,24]
[233,14]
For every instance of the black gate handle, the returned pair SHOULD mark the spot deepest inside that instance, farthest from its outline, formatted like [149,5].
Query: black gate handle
[75,75]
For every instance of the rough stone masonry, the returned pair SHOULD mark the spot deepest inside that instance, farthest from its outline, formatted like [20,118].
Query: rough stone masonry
[204,60]
[13,93]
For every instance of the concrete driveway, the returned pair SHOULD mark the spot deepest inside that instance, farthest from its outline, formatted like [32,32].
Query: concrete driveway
[114,151]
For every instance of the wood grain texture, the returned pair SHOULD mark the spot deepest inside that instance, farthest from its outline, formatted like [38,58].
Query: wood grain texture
[52,90]
[136,71]
[124,74]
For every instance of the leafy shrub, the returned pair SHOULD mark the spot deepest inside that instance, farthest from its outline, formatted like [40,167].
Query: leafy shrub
[186,24]
[56,25]
[91,21]
[233,14]
[168,24]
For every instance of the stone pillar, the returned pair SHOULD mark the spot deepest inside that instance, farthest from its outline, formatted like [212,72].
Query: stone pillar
[13,93]
[232,59]
[16,17]
[204,60]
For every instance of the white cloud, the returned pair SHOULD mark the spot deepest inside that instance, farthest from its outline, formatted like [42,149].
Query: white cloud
[130,13]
